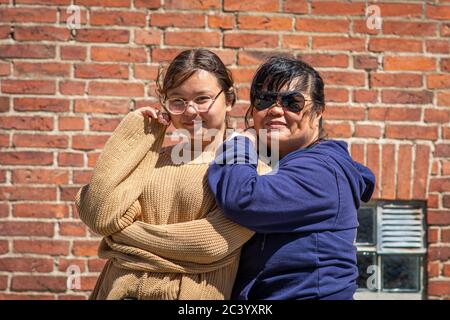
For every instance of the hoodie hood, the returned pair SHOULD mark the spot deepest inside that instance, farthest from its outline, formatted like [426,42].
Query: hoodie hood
[360,178]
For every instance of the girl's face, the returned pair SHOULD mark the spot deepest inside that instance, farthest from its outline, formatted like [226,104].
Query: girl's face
[292,130]
[201,83]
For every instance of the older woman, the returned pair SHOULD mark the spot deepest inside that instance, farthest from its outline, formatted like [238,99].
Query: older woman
[305,214]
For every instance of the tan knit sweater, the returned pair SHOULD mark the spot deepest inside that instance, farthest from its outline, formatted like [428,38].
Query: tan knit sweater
[164,236]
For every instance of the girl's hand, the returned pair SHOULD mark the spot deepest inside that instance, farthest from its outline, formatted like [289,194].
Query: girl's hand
[154,113]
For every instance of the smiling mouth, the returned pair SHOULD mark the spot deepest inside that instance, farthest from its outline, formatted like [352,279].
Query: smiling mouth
[275,124]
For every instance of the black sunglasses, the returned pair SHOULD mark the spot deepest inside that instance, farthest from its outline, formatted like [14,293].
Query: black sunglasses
[291,101]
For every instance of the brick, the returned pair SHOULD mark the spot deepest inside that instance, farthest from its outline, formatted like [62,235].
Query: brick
[388,172]
[40,210]
[249,40]
[245,22]
[439,185]
[104,3]
[73,53]
[442,150]
[41,104]
[72,87]
[88,142]
[406,28]
[28,69]
[400,9]
[325,60]
[409,63]
[438,12]
[26,158]
[438,81]
[26,123]
[101,35]
[192,5]
[175,19]
[97,70]
[356,79]
[70,159]
[118,54]
[82,177]
[70,123]
[394,114]
[433,115]
[404,169]
[16,228]
[322,25]
[109,106]
[437,46]
[39,283]
[103,124]
[116,89]
[395,45]
[40,176]
[28,86]
[438,288]
[365,96]
[147,37]
[338,130]
[40,141]
[40,33]
[338,43]
[14,15]
[443,98]
[96,265]
[24,264]
[249,5]
[411,132]
[336,95]
[164,55]
[295,6]
[85,248]
[365,62]
[195,39]
[149,4]
[421,168]
[406,97]
[76,229]
[32,51]
[344,113]
[224,22]
[401,80]
[28,193]
[146,72]
[290,41]
[117,18]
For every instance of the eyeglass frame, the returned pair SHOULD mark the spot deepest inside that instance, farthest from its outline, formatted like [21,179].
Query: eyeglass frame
[186,104]
[278,98]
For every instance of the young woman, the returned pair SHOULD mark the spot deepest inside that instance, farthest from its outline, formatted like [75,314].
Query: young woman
[164,236]
[305,214]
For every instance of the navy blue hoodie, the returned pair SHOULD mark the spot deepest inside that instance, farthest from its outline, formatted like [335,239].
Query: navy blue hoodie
[304,216]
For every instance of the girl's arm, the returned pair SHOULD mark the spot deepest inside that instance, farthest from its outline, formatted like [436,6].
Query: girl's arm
[118,177]
[207,240]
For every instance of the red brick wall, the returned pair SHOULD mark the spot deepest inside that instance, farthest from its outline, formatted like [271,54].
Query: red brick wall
[63,92]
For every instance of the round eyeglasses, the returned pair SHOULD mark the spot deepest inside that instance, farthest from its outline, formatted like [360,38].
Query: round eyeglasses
[201,104]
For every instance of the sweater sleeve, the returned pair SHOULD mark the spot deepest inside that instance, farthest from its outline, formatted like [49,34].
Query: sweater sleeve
[207,240]
[302,196]
[105,205]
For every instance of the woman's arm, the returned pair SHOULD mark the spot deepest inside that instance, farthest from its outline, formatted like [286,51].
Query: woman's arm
[207,240]
[118,177]
[302,196]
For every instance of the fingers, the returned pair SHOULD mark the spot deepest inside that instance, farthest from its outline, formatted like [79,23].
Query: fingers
[156,114]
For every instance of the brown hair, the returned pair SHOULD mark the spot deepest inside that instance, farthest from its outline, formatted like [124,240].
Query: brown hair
[185,64]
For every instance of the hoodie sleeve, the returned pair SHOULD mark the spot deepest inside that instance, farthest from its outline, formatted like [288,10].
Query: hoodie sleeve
[303,196]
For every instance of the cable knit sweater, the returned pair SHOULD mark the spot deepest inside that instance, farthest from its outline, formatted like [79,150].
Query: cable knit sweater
[164,236]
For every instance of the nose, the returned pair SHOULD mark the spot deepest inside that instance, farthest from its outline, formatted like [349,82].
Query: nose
[190,109]
[276,109]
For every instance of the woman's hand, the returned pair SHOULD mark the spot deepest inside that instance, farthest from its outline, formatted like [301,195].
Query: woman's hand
[154,113]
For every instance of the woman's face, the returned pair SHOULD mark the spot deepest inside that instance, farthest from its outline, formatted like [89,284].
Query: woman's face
[292,130]
[199,84]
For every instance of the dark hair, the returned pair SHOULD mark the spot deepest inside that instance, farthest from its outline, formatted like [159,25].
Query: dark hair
[281,70]
[185,64]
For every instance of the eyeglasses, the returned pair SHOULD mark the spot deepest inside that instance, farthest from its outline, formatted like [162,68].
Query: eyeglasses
[201,104]
[291,101]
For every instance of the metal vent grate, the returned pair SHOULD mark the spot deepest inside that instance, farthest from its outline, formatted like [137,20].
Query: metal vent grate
[400,227]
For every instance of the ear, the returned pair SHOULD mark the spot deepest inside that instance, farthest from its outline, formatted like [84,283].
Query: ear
[230,98]
[315,120]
